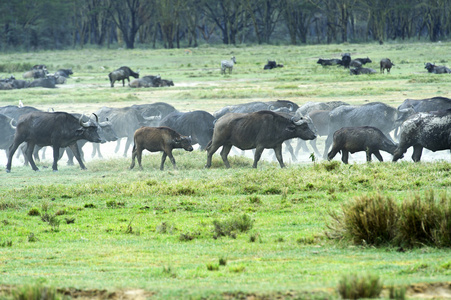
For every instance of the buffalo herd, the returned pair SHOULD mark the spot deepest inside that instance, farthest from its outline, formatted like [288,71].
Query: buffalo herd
[371,128]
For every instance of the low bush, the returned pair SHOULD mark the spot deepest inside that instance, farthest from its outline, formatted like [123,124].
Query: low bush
[357,287]
[230,226]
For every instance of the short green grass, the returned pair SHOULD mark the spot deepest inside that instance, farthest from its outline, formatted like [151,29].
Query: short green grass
[119,229]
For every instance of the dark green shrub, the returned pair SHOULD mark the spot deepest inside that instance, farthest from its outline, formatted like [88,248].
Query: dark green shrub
[357,287]
[212,267]
[231,226]
[398,293]
[425,221]
[368,219]
[34,212]
[222,261]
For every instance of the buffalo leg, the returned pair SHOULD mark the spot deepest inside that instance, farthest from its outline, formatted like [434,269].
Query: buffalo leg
[163,159]
[417,151]
[171,157]
[344,156]
[278,151]
[77,154]
[127,145]
[258,154]
[12,149]
[210,151]
[368,155]
[313,144]
[132,165]
[29,155]
[301,145]
[290,150]
[224,153]
[118,145]
[332,153]
[378,155]
[327,145]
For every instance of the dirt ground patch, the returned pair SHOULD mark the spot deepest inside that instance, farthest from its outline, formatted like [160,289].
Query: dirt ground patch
[436,290]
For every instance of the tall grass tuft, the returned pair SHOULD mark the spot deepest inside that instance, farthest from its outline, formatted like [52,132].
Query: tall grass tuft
[32,292]
[366,220]
[356,287]
[230,226]
[425,221]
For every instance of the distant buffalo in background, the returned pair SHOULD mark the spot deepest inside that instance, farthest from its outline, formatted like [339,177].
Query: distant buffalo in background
[432,68]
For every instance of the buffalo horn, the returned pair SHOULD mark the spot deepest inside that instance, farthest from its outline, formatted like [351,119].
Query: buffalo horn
[84,124]
[299,122]
[11,123]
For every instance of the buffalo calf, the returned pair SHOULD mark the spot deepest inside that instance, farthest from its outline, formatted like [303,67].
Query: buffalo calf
[355,139]
[156,139]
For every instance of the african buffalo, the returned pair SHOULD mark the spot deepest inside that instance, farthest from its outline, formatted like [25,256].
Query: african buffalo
[354,139]
[346,60]
[255,106]
[125,121]
[375,114]
[320,120]
[363,60]
[56,129]
[386,64]
[308,107]
[426,105]
[121,74]
[7,129]
[198,124]
[272,65]
[156,139]
[329,62]
[360,70]
[260,130]
[432,68]
[425,130]
[64,73]
[146,81]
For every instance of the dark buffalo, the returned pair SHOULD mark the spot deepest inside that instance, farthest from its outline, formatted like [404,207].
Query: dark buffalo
[346,60]
[7,129]
[360,70]
[375,114]
[125,121]
[425,130]
[354,139]
[121,74]
[329,62]
[106,133]
[272,65]
[64,73]
[426,105]
[432,68]
[386,64]
[363,60]
[56,129]
[355,63]
[197,124]
[146,81]
[155,139]
[48,82]
[259,130]
[166,82]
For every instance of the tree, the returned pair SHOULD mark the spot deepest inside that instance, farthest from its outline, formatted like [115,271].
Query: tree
[129,16]
[264,15]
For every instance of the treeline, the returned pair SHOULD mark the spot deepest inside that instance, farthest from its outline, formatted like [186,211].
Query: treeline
[57,24]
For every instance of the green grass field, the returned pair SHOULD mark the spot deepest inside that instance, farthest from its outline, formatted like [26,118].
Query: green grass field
[151,234]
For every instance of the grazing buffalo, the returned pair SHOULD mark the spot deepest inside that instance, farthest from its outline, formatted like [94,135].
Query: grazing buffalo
[355,139]
[375,114]
[425,130]
[156,139]
[386,64]
[7,129]
[329,62]
[259,130]
[197,124]
[360,70]
[56,129]
[426,105]
[432,68]
[121,74]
